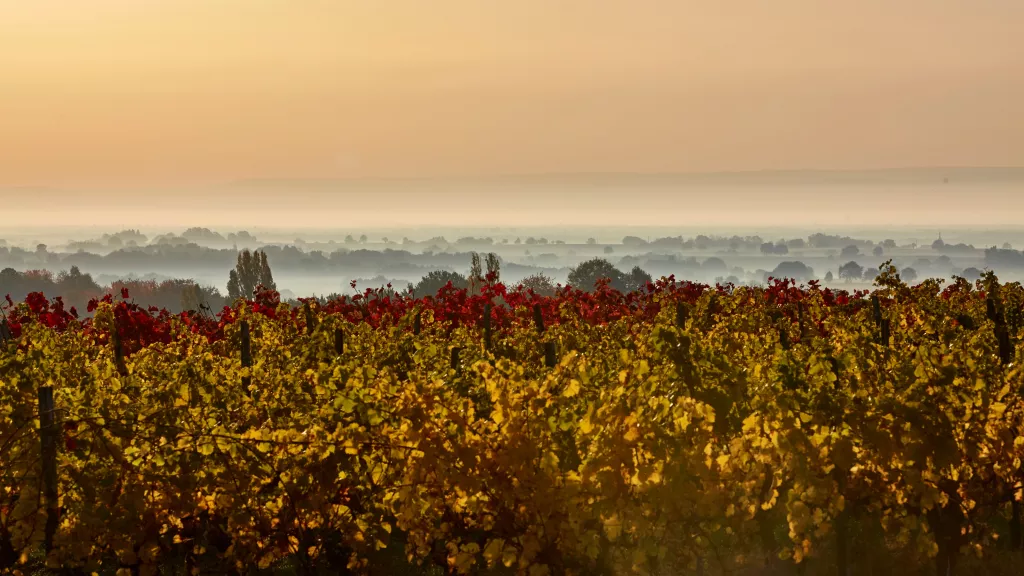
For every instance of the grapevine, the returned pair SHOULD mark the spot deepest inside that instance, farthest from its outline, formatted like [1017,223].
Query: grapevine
[682,427]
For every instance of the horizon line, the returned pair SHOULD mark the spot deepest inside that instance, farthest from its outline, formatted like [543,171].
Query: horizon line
[243,181]
[549,174]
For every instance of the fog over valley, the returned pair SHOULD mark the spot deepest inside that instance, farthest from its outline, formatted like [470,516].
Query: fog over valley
[323,262]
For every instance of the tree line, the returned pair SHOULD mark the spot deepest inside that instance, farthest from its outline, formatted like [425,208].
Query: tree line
[252,269]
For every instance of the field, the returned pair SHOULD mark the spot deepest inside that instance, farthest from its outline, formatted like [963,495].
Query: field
[681,429]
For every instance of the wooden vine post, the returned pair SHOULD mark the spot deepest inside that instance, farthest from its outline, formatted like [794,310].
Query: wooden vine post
[549,347]
[310,318]
[800,321]
[454,361]
[884,324]
[5,331]
[840,477]
[784,337]
[48,453]
[710,312]
[487,327]
[681,314]
[246,353]
[339,341]
[1002,334]
[115,342]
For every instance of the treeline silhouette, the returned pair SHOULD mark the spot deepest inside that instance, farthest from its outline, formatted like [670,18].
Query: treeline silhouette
[287,258]
[176,259]
[184,256]
[77,289]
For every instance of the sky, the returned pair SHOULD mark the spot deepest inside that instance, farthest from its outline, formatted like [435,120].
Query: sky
[115,94]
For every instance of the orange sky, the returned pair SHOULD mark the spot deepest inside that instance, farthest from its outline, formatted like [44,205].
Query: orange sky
[131,92]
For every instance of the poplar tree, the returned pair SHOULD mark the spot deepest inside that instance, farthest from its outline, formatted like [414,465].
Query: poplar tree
[251,270]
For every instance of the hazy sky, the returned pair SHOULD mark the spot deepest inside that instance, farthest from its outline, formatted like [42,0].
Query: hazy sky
[130,92]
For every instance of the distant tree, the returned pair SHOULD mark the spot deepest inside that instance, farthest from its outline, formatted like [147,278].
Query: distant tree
[531,240]
[539,283]
[41,248]
[591,241]
[201,235]
[849,252]
[768,248]
[476,273]
[542,240]
[819,240]
[475,267]
[1007,246]
[851,271]
[349,239]
[870,273]
[877,251]
[938,244]
[793,269]
[1003,258]
[670,242]
[251,270]
[633,241]
[714,265]
[385,240]
[944,260]
[518,241]
[74,281]
[362,238]
[192,298]
[234,285]
[240,236]
[124,237]
[908,275]
[406,241]
[493,266]
[889,244]
[828,276]
[430,284]
[266,278]
[608,250]
[796,244]
[960,248]
[637,279]
[586,274]
[971,274]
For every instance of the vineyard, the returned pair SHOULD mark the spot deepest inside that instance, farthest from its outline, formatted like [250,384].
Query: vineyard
[679,429]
